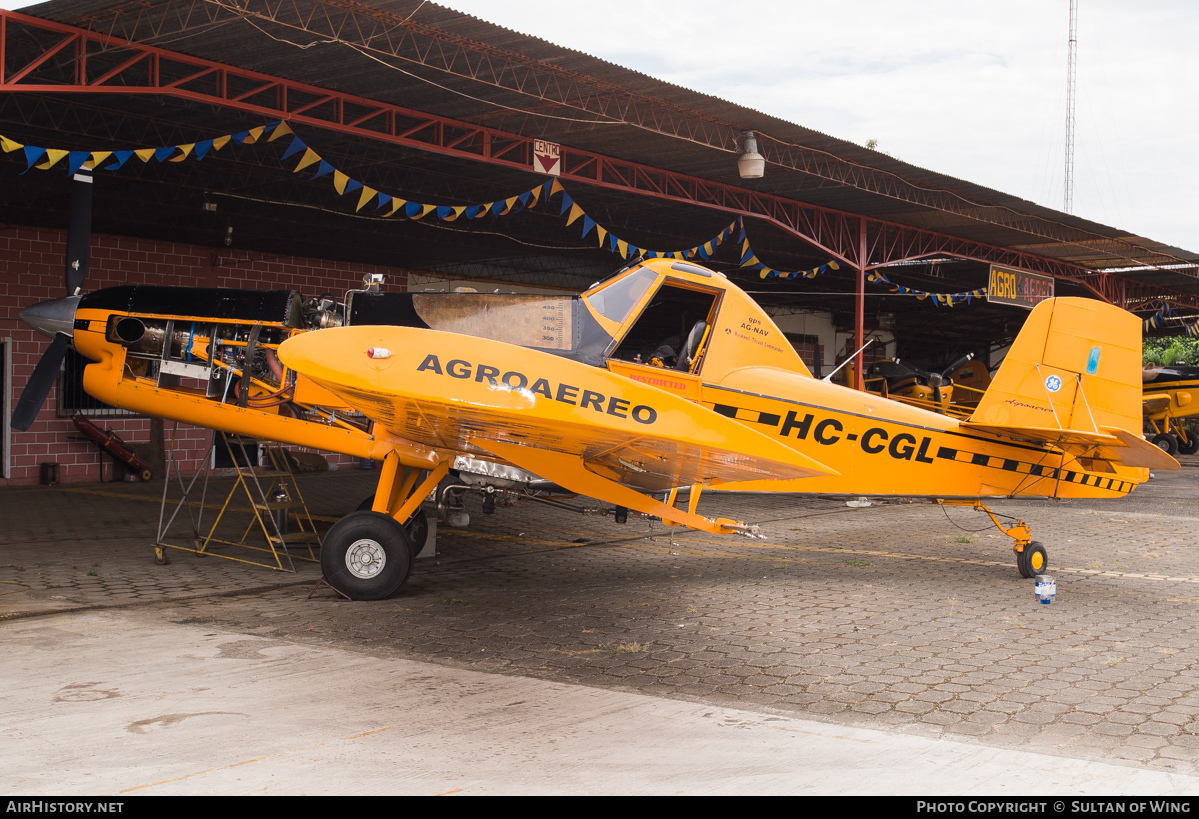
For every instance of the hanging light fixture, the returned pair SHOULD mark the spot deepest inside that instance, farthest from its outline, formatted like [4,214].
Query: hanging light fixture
[751,164]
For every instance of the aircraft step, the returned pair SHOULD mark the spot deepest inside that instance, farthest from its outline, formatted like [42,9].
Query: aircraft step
[270,473]
[295,537]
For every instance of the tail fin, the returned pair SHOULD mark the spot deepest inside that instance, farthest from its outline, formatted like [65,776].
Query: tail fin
[1073,377]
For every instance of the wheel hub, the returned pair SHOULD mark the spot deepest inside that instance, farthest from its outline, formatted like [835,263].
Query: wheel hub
[365,558]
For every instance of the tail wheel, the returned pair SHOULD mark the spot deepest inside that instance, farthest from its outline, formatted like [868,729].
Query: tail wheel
[1033,561]
[145,475]
[366,555]
[1168,441]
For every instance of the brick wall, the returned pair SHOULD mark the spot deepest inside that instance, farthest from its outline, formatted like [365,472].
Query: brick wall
[31,270]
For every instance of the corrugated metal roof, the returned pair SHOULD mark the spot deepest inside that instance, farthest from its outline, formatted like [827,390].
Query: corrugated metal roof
[252,42]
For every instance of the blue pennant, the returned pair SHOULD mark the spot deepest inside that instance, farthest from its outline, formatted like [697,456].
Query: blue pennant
[411,209]
[295,147]
[443,211]
[162,153]
[121,157]
[75,160]
[497,208]
[588,224]
[32,155]
[353,185]
[323,169]
[240,137]
[384,200]
[472,211]
[203,148]
[566,203]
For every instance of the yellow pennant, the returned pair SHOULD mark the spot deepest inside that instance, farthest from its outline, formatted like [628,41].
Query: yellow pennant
[253,136]
[602,234]
[752,260]
[9,146]
[457,211]
[339,182]
[425,210]
[187,149]
[623,247]
[396,204]
[708,248]
[510,203]
[575,213]
[221,142]
[280,130]
[764,273]
[536,192]
[98,157]
[52,157]
[556,187]
[834,265]
[310,157]
[368,193]
[145,154]
[678,254]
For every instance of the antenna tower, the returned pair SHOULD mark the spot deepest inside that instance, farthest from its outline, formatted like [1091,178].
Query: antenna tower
[1071,70]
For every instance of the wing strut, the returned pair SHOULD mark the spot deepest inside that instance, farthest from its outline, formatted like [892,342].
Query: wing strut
[571,472]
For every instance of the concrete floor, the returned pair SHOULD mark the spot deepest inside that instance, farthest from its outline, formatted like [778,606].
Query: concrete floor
[869,650]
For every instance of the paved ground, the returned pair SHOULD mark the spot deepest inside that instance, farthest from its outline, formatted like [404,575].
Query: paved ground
[886,619]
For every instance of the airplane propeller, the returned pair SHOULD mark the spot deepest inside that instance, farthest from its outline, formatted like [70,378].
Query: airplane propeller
[56,319]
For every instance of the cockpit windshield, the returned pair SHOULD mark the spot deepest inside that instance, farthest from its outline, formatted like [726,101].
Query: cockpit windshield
[614,301]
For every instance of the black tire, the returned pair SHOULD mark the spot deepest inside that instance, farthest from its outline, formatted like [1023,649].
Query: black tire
[1191,446]
[366,556]
[1033,561]
[417,527]
[145,475]
[1167,441]
[160,556]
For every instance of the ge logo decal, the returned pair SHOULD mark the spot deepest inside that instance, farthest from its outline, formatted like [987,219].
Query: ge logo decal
[1053,383]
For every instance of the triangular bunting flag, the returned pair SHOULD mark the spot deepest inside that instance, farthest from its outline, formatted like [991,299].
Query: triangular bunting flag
[396,204]
[575,213]
[281,129]
[353,185]
[53,155]
[162,153]
[310,157]
[121,157]
[32,155]
[425,210]
[509,203]
[567,203]
[254,134]
[187,149]
[340,180]
[240,137]
[384,201]
[555,187]
[601,233]
[98,158]
[458,211]
[588,224]
[75,161]
[472,211]
[294,148]
[221,142]
[9,146]
[323,169]
[534,195]
[368,194]
[444,211]
[202,148]
[411,209]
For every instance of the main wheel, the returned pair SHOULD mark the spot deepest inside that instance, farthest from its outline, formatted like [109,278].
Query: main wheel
[1191,446]
[1167,441]
[1033,561]
[417,527]
[366,555]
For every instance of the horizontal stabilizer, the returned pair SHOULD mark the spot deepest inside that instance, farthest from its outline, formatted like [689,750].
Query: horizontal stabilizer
[1111,444]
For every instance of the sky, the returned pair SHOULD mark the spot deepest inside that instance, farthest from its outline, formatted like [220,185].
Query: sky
[973,90]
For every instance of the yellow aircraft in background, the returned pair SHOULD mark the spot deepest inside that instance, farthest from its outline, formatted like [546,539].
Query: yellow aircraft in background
[523,390]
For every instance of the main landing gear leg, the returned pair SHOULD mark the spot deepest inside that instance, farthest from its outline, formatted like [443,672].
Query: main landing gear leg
[368,554]
[1031,558]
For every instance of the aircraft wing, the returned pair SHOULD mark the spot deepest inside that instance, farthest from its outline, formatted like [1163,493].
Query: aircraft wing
[1113,443]
[464,394]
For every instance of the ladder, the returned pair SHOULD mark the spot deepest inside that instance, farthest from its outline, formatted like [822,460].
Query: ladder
[275,500]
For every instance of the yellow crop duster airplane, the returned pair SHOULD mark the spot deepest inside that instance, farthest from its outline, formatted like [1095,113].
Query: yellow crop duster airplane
[665,376]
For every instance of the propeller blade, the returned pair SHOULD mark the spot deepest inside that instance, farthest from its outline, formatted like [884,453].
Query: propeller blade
[949,370]
[39,384]
[79,233]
